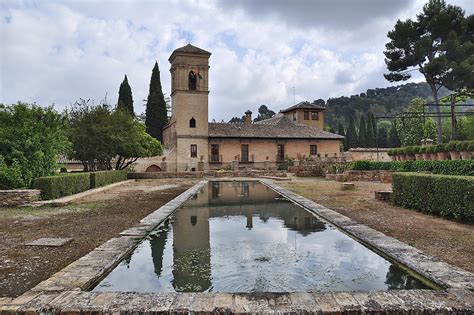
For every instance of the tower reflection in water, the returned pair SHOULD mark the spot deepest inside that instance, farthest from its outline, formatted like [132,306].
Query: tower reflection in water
[244,237]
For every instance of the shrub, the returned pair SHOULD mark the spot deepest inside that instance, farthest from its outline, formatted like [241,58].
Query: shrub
[409,150]
[10,176]
[462,145]
[451,146]
[443,195]
[99,179]
[423,149]
[446,167]
[392,152]
[53,187]
[470,147]
[441,148]
[431,149]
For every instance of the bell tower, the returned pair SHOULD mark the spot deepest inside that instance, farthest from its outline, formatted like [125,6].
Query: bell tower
[189,101]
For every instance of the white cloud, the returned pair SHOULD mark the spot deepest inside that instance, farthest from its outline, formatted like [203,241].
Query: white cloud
[59,51]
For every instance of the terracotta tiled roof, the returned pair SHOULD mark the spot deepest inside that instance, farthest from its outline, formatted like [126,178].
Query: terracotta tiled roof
[303,105]
[191,50]
[277,127]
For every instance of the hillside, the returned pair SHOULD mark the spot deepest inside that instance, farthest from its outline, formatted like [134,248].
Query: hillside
[380,101]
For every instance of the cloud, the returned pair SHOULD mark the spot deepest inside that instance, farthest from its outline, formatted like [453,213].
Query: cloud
[60,51]
[324,14]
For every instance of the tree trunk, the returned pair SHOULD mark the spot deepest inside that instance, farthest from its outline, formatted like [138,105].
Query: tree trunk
[439,122]
[453,119]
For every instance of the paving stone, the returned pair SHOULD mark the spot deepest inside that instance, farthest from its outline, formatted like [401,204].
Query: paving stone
[49,241]
[367,303]
[202,303]
[347,302]
[388,302]
[304,302]
[327,303]
[182,303]
[223,302]
[122,243]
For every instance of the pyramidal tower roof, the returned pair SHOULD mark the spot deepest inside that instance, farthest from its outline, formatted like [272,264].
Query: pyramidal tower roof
[189,49]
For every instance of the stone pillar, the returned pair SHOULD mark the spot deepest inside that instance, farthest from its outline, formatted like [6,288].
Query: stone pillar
[235,165]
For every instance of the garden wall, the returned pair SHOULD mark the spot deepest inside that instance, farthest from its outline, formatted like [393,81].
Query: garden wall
[218,174]
[17,197]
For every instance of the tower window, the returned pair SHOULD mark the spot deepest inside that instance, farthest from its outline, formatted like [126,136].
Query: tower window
[192,80]
[192,123]
[306,115]
[313,149]
[314,116]
[194,150]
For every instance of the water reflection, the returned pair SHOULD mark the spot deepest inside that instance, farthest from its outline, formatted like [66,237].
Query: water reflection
[244,237]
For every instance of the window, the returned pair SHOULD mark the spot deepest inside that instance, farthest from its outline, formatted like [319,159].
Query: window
[280,152]
[294,116]
[313,149]
[244,153]
[194,150]
[192,123]
[314,116]
[306,116]
[214,153]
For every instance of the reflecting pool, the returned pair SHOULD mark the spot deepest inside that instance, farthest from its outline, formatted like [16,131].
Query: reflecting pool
[245,237]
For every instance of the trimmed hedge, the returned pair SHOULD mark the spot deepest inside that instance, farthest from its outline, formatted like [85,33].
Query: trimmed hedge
[443,195]
[57,186]
[53,187]
[446,167]
[99,179]
[458,146]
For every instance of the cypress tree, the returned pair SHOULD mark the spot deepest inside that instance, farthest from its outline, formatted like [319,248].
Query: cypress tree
[382,137]
[393,139]
[370,141]
[156,114]
[351,135]
[125,100]
[362,133]
[340,129]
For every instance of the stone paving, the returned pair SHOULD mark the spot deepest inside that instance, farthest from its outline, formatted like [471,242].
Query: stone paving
[49,242]
[65,291]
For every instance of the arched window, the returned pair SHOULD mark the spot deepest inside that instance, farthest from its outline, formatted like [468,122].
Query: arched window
[192,80]
[192,123]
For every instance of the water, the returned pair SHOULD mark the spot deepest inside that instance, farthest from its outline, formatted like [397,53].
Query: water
[244,237]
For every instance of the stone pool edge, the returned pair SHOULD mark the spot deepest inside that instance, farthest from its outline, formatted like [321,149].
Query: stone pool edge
[445,275]
[64,291]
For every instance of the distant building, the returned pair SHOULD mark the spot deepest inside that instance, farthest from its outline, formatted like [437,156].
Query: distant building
[192,143]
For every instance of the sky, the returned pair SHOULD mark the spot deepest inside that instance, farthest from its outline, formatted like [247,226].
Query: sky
[272,52]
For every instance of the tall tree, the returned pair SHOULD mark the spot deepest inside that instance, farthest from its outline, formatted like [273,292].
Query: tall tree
[382,137]
[340,129]
[156,114]
[371,131]
[362,133]
[393,139]
[351,139]
[264,113]
[418,45]
[413,127]
[125,100]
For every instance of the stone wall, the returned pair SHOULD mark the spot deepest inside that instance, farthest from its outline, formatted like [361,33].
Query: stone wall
[369,154]
[318,167]
[11,198]
[354,176]
[218,174]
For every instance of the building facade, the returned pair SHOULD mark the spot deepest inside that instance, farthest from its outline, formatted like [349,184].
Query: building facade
[193,144]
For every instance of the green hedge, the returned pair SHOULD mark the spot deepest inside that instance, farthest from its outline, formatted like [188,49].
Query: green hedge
[443,147]
[446,167]
[99,179]
[443,195]
[53,187]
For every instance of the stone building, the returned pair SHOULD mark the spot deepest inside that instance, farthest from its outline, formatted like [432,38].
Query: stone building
[193,144]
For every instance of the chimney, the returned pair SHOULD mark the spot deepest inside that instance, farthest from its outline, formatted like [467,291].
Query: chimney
[248,117]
